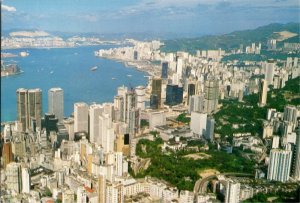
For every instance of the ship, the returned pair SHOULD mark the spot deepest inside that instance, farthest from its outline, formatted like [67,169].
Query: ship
[23,54]
[129,75]
[94,68]
[113,78]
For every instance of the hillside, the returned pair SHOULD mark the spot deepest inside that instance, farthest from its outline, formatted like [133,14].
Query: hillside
[231,40]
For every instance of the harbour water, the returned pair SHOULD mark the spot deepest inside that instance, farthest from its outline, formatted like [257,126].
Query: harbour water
[70,69]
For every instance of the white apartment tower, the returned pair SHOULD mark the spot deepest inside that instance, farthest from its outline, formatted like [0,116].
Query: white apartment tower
[279,165]
[56,102]
[81,116]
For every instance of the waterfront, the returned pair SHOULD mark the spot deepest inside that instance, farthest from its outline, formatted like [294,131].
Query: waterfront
[68,68]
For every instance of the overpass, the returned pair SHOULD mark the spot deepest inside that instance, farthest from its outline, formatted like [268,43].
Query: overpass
[201,184]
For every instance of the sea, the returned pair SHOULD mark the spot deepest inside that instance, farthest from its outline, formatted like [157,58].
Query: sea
[70,69]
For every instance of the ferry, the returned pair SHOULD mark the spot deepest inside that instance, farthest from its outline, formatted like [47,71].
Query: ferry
[94,68]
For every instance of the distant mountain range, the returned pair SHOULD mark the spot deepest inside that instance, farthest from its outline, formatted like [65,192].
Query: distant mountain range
[234,39]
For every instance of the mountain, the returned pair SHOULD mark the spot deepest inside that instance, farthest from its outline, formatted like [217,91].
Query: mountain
[232,40]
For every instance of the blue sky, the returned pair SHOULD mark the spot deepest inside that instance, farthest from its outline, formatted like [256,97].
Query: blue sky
[150,16]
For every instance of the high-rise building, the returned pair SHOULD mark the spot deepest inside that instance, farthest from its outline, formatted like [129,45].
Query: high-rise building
[95,111]
[164,70]
[279,165]
[106,133]
[290,114]
[101,189]
[296,174]
[232,194]
[211,95]
[14,177]
[191,91]
[269,71]
[174,95]
[134,121]
[198,123]
[81,195]
[81,117]
[156,90]
[263,92]
[29,107]
[129,104]
[154,101]
[210,129]
[179,67]
[196,103]
[7,155]
[56,102]
[140,97]
[25,180]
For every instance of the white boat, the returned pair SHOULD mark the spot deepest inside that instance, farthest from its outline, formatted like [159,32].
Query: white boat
[113,78]
[129,75]
[94,68]
[23,54]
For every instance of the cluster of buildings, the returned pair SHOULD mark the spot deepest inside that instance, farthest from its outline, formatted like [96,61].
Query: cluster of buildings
[89,154]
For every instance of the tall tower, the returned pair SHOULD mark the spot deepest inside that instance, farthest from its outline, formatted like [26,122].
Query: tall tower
[211,95]
[81,117]
[56,102]
[156,90]
[269,71]
[34,108]
[164,70]
[13,174]
[25,180]
[263,90]
[101,189]
[95,111]
[232,192]
[22,107]
[279,165]
[296,174]
[29,107]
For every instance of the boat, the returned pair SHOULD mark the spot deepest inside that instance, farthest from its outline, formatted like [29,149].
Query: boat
[129,75]
[113,78]
[23,54]
[94,68]
[51,72]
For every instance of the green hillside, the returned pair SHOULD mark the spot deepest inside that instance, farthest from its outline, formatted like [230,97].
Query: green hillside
[231,40]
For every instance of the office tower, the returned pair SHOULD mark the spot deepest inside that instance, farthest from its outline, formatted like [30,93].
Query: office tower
[119,163]
[191,91]
[156,90]
[153,101]
[140,97]
[29,107]
[232,194]
[22,107]
[196,103]
[25,180]
[69,124]
[290,114]
[210,128]
[14,178]
[263,92]
[7,155]
[269,71]
[211,95]
[134,121]
[135,55]
[49,123]
[81,116]
[198,123]
[119,108]
[164,70]
[174,95]
[296,174]
[101,189]
[279,165]
[106,133]
[179,67]
[129,104]
[56,102]
[95,111]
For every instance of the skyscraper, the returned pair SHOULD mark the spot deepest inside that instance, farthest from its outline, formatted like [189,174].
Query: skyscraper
[296,174]
[56,102]
[263,90]
[198,123]
[7,153]
[191,91]
[269,71]
[290,114]
[81,116]
[174,95]
[164,70]
[156,90]
[95,111]
[211,95]
[14,178]
[101,189]
[210,128]
[279,165]
[29,107]
[25,180]
[140,97]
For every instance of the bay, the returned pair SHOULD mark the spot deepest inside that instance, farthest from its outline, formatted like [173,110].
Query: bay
[68,68]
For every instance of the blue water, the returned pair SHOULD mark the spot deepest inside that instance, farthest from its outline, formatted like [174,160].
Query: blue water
[71,72]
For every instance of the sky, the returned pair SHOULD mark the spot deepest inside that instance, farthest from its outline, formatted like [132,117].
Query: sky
[194,17]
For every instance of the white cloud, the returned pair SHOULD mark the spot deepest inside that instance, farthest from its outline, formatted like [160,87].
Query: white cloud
[8,8]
